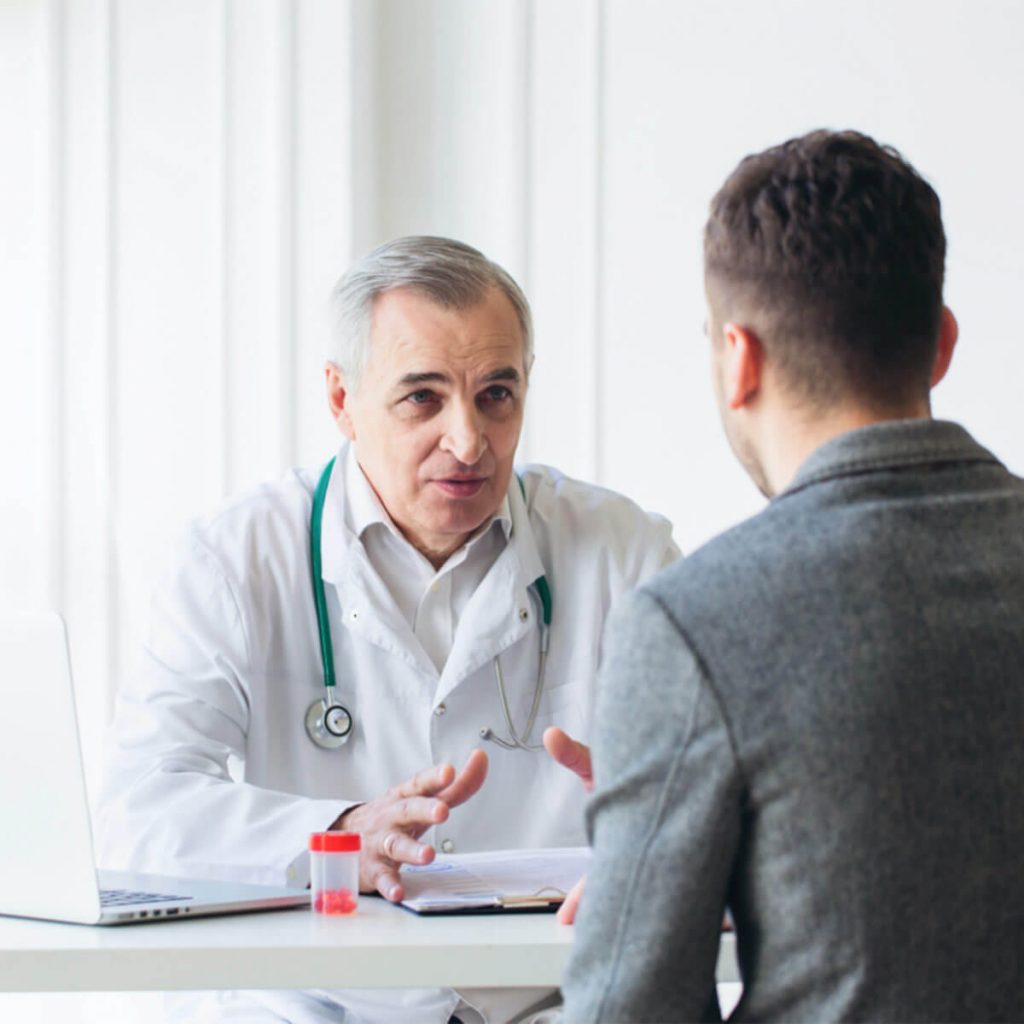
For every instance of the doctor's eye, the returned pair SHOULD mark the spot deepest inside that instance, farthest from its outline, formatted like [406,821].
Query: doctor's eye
[424,396]
[495,394]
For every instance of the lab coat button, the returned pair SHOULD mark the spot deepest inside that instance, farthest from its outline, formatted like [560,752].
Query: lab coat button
[447,846]
[524,614]
[440,710]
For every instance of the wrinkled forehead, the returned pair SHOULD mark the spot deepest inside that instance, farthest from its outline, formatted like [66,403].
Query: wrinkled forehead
[410,332]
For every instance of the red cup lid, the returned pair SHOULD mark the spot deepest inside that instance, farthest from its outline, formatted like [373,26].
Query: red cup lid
[334,842]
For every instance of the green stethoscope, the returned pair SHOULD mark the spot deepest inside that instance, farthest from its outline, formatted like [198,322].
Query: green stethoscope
[329,723]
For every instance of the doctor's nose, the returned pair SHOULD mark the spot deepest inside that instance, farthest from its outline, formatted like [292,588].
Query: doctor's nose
[463,434]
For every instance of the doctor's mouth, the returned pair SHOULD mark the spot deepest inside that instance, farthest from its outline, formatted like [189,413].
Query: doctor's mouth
[461,487]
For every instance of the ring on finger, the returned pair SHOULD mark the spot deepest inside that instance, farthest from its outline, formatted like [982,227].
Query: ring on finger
[388,845]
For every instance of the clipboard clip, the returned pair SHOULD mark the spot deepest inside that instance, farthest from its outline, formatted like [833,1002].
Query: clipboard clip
[543,897]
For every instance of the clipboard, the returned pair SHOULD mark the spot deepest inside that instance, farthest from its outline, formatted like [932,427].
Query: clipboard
[495,882]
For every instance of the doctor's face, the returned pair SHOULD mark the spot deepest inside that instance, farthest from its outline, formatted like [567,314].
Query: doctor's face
[436,416]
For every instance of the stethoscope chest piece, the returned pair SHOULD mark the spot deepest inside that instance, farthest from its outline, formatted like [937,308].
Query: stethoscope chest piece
[329,725]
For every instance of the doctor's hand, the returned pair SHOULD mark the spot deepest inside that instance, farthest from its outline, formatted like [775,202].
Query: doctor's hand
[570,753]
[391,825]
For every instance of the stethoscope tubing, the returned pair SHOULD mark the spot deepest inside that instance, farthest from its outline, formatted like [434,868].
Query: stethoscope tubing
[328,722]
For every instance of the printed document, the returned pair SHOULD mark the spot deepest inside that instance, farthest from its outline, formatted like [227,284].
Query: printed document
[497,880]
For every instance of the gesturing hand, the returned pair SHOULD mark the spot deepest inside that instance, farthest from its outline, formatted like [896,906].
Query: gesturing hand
[391,824]
[570,753]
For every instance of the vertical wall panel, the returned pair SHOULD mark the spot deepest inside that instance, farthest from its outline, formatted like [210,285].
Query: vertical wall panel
[257,215]
[564,190]
[30,287]
[89,583]
[168,448]
[322,200]
[445,96]
[54,362]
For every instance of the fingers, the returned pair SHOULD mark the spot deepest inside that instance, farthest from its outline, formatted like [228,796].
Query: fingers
[387,883]
[400,848]
[467,782]
[567,911]
[570,753]
[419,812]
[391,825]
[413,814]
[425,783]
[384,852]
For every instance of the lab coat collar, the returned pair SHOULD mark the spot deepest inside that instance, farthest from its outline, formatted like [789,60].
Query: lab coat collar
[522,536]
[488,625]
[339,531]
[367,606]
[501,612]
[361,506]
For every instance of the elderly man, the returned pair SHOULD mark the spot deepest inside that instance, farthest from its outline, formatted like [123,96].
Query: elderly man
[824,704]
[436,570]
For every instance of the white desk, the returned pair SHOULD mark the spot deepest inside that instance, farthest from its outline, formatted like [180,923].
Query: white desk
[382,947]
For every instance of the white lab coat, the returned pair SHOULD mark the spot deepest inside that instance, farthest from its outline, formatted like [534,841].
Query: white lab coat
[209,769]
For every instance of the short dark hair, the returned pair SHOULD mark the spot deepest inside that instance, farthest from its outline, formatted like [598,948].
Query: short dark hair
[832,245]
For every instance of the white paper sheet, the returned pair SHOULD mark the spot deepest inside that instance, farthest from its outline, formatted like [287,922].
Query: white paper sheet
[501,879]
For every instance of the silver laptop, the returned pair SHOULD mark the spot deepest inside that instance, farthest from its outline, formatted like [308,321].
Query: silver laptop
[47,865]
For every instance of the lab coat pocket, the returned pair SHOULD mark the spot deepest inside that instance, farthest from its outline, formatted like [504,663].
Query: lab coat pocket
[562,705]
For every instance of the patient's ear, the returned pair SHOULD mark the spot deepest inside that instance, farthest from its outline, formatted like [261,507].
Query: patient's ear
[337,398]
[949,331]
[742,365]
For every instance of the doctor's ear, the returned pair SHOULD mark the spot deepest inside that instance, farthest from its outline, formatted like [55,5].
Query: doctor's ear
[337,398]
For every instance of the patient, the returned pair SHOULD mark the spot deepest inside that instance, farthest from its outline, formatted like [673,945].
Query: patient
[816,720]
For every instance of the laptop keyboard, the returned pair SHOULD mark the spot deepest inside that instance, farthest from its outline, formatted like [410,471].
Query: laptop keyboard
[119,897]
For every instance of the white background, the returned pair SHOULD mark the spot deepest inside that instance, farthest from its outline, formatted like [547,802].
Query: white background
[181,181]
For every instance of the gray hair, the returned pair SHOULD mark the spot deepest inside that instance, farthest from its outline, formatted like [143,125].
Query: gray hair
[452,274]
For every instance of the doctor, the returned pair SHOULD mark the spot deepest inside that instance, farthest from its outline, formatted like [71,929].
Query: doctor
[440,570]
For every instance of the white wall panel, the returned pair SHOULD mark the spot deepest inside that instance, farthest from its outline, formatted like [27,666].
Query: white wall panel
[258,211]
[167,237]
[564,220]
[89,564]
[445,98]
[323,199]
[30,288]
